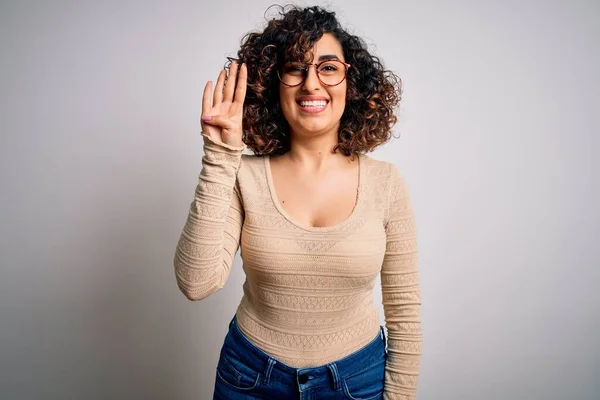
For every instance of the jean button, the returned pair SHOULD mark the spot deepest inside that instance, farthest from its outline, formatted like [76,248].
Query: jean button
[303,379]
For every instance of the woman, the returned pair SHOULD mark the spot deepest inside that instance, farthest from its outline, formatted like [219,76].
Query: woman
[316,219]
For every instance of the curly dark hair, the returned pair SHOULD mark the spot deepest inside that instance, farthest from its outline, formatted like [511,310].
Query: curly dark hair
[372,92]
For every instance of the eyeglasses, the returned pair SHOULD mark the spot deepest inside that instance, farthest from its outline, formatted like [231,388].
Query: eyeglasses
[329,72]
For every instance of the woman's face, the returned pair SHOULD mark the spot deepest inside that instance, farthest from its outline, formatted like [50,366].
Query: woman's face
[312,108]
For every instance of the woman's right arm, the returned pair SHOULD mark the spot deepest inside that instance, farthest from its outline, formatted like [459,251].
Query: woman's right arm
[211,234]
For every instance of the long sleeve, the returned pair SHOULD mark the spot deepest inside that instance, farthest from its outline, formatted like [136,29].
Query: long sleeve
[211,234]
[401,294]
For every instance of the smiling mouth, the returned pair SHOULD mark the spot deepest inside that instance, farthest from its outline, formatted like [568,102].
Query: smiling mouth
[312,106]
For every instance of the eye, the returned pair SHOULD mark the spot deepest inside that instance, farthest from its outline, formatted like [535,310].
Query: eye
[329,67]
[294,68]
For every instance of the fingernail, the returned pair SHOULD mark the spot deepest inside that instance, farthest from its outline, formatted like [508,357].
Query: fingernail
[206,117]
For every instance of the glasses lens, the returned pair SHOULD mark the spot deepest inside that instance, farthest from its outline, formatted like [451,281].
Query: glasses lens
[293,73]
[330,73]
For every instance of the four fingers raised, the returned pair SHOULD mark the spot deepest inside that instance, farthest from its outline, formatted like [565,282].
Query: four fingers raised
[231,89]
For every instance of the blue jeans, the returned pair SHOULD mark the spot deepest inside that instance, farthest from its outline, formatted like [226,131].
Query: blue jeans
[245,372]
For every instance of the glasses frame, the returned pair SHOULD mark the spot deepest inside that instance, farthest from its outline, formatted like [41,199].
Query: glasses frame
[317,71]
[232,59]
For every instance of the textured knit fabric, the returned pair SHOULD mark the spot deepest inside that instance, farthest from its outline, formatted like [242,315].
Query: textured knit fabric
[308,291]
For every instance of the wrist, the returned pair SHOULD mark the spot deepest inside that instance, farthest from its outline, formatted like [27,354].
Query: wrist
[232,145]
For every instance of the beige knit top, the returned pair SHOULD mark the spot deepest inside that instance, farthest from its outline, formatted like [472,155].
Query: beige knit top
[308,291]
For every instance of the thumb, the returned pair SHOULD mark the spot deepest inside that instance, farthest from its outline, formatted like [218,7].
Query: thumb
[219,121]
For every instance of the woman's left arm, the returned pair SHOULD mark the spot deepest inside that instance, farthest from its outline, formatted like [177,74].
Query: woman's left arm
[401,294]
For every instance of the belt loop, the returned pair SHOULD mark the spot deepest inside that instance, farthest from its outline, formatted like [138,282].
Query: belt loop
[268,370]
[335,375]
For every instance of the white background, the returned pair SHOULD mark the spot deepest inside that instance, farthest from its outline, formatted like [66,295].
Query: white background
[100,153]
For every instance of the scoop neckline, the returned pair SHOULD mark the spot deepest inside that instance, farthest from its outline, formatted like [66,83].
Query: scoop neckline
[284,214]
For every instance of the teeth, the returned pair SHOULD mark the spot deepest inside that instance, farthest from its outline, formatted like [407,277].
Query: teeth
[318,103]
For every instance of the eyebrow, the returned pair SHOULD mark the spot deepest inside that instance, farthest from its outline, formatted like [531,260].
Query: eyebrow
[328,57]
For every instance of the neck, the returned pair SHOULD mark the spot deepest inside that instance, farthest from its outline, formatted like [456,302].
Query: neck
[314,152]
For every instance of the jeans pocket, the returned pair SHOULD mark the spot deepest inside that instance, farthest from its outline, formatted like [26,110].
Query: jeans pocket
[367,384]
[234,373]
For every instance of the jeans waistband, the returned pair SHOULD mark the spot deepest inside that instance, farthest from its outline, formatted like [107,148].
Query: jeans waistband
[271,368]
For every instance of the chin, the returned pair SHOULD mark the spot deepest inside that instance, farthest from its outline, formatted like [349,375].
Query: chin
[314,128]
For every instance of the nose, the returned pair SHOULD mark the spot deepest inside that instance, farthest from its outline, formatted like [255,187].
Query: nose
[312,80]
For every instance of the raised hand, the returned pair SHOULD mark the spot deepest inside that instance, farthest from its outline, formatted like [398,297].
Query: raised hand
[222,117]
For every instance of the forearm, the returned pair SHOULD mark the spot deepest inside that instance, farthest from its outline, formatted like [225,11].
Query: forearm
[404,339]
